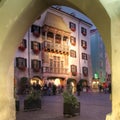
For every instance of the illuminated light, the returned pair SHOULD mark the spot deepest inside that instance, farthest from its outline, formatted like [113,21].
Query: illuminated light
[96,76]
[72,84]
[97,82]
[35,81]
[94,82]
[57,82]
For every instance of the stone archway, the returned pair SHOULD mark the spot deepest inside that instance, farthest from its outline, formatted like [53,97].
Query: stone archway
[17,16]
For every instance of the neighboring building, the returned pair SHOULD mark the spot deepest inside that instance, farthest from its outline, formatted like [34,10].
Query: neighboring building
[108,69]
[98,56]
[55,49]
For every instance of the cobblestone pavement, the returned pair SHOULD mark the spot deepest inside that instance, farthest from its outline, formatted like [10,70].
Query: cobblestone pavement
[94,106]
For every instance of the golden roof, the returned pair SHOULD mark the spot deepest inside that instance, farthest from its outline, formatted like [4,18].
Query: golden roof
[56,22]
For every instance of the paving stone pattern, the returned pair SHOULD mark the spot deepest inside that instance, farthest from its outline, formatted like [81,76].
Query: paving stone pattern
[94,106]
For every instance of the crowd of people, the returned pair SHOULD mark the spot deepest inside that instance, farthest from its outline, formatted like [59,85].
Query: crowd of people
[48,89]
[52,89]
[106,88]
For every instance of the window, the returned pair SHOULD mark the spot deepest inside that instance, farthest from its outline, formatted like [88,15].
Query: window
[85,71]
[36,65]
[35,46]
[101,63]
[51,62]
[72,26]
[84,56]
[50,35]
[58,38]
[35,30]
[73,40]
[22,45]
[21,63]
[74,70]
[84,44]
[65,38]
[83,31]
[62,64]
[73,53]
[46,57]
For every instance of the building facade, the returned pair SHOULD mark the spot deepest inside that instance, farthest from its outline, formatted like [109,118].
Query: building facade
[98,56]
[55,49]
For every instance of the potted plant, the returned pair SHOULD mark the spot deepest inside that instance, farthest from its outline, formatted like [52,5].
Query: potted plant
[71,105]
[33,101]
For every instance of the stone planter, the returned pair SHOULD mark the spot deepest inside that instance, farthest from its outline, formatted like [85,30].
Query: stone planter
[32,104]
[17,105]
[70,110]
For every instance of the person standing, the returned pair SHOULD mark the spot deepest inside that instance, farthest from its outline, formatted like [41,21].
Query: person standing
[78,89]
[54,89]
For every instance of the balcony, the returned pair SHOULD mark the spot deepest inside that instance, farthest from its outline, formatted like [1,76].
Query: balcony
[55,70]
[56,48]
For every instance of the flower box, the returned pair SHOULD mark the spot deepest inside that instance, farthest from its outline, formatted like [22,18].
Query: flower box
[36,69]
[22,68]
[36,51]
[21,48]
[36,34]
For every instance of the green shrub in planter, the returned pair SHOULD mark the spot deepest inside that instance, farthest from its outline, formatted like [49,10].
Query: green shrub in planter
[71,104]
[33,101]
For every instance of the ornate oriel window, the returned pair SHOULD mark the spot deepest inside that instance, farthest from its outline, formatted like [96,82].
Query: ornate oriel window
[72,26]
[84,56]
[50,35]
[46,44]
[36,65]
[21,63]
[22,45]
[65,38]
[35,46]
[74,70]
[73,53]
[57,38]
[85,71]
[83,31]
[84,44]
[72,40]
[35,30]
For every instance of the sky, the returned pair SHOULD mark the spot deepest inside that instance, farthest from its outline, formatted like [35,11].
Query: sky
[77,14]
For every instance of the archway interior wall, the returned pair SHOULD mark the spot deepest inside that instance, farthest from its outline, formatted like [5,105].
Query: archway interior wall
[16,21]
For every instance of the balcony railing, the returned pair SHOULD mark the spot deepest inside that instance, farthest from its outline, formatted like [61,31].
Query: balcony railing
[58,48]
[55,70]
